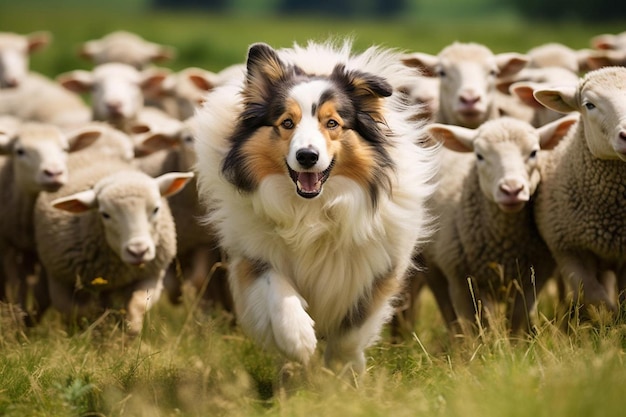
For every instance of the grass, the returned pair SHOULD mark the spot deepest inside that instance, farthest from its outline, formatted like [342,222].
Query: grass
[191,362]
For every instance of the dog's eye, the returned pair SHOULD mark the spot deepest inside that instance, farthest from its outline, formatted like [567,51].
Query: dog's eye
[332,124]
[287,124]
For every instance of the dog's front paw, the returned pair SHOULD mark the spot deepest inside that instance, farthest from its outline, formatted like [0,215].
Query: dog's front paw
[294,331]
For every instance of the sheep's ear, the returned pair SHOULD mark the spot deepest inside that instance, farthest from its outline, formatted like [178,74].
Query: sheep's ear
[79,81]
[38,40]
[551,133]
[524,91]
[511,63]
[604,41]
[76,203]
[156,142]
[162,53]
[455,138]
[152,78]
[201,79]
[89,49]
[84,138]
[561,99]
[172,182]
[425,63]
[599,59]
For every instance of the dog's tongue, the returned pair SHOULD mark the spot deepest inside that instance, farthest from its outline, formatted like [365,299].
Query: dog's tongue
[308,181]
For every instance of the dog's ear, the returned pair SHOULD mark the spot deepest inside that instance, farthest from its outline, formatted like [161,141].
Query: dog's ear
[364,89]
[265,72]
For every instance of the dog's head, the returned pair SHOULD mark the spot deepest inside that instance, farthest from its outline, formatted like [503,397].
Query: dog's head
[308,127]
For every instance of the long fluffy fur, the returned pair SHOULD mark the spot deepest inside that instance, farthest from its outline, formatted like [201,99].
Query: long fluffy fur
[335,261]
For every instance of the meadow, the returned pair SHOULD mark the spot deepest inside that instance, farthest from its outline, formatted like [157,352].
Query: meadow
[193,361]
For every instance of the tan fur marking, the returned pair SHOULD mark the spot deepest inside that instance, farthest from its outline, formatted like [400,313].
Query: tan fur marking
[265,156]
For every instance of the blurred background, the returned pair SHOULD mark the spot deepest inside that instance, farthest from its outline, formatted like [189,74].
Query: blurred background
[215,33]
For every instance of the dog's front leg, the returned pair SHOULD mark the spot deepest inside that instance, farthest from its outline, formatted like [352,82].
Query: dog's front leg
[270,310]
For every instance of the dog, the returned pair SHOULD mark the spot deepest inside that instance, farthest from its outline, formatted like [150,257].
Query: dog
[315,176]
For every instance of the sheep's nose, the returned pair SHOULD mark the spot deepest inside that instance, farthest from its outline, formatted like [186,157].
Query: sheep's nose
[114,106]
[53,172]
[307,157]
[11,82]
[137,249]
[511,188]
[469,99]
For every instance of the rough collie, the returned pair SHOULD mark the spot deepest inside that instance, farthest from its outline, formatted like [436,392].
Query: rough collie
[312,174]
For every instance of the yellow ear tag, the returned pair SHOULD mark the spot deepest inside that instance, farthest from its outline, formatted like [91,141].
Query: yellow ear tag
[99,281]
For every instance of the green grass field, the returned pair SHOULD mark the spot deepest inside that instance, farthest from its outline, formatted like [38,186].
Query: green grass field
[192,362]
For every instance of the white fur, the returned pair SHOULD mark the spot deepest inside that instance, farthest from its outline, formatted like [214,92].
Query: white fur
[325,252]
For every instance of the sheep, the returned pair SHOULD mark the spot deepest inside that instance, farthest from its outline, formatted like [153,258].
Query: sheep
[580,205]
[467,74]
[554,54]
[524,83]
[609,41]
[15,50]
[486,229]
[116,90]
[198,251]
[34,160]
[106,239]
[423,93]
[125,47]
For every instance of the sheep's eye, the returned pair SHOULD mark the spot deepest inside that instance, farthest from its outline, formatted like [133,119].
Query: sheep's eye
[480,157]
[332,124]
[155,211]
[441,73]
[287,124]
[105,215]
[589,105]
[493,72]
[533,154]
[20,152]
[188,139]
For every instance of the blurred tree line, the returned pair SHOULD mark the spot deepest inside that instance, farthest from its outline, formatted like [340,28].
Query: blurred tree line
[585,10]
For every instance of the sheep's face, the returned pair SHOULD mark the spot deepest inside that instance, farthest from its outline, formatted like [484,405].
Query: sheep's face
[603,112]
[467,75]
[507,167]
[14,56]
[129,213]
[40,159]
[117,93]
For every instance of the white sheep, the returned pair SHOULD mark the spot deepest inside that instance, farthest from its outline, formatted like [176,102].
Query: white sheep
[106,239]
[486,228]
[524,83]
[609,41]
[117,90]
[34,160]
[580,205]
[125,47]
[169,145]
[15,50]
[554,54]
[467,75]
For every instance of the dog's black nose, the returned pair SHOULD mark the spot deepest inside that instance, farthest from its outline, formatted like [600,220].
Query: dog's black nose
[307,157]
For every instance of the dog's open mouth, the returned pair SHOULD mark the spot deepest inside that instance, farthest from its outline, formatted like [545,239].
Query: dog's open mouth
[309,184]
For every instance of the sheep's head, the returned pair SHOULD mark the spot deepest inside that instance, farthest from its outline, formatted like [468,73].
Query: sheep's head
[467,75]
[130,206]
[14,55]
[39,153]
[507,155]
[117,89]
[599,97]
